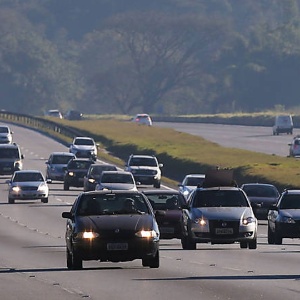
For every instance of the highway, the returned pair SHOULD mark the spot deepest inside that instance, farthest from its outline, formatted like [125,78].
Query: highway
[33,262]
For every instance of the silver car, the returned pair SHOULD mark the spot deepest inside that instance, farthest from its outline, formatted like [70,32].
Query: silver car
[190,182]
[28,185]
[84,147]
[295,147]
[5,134]
[219,215]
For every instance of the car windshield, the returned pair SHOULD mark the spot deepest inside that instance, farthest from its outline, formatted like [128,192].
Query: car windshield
[117,178]
[143,161]
[193,181]
[79,165]
[82,142]
[220,198]
[261,191]
[4,130]
[111,204]
[61,159]
[290,202]
[9,153]
[99,169]
[23,177]
[165,201]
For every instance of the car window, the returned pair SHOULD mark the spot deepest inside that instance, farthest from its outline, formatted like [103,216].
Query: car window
[111,204]
[220,199]
[79,165]
[117,178]
[87,142]
[261,191]
[98,170]
[9,153]
[194,181]
[4,130]
[164,202]
[23,177]
[290,202]
[143,161]
[61,159]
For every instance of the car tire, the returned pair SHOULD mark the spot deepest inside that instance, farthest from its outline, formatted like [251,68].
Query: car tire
[66,187]
[243,245]
[253,244]
[187,243]
[271,239]
[44,200]
[277,239]
[11,200]
[152,262]
[76,261]
[69,260]
[156,184]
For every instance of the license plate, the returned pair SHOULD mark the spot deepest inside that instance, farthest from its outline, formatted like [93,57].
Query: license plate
[117,246]
[224,230]
[166,229]
[6,168]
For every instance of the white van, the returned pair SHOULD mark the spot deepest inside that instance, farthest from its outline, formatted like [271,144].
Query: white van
[283,124]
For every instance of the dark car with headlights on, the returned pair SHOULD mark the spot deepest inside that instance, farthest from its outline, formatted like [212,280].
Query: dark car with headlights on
[75,171]
[111,226]
[93,175]
[56,165]
[263,195]
[284,217]
[28,185]
[167,206]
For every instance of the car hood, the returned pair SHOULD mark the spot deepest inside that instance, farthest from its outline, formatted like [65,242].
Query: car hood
[263,199]
[224,213]
[143,168]
[113,222]
[28,183]
[293,213]
[84,147]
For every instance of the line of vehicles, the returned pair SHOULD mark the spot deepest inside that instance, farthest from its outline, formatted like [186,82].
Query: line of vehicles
[115,219]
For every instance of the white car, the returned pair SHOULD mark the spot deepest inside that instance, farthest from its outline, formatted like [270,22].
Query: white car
[143,119]
[190,182]
[116,180]
[295,146]
[28,185]
[84,147]
[5,135]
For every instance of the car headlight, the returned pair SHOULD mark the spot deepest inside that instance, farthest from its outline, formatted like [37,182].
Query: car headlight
[87,235]
[18,164]
[71,174]
[200,221]
[147,234]
[16,189]
[249,220]
[42,187]
[91,180]
[288,220]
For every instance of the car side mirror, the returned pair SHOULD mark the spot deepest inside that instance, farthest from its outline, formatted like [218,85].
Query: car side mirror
[67,215]
[49,180]
[160,165]
[22,156]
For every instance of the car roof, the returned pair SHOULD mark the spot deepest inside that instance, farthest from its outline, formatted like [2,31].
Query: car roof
[63,153]
[291,191]
[113,192]
[28,171]
[162,192]
[83,137]
[116,172]
[142,155]
[195,175]
[14,145]
[256,184]
[220,188]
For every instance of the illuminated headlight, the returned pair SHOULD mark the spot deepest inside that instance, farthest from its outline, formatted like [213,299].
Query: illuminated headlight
[200,221]
[147,234]
[249,220]
[186,192]
[16,189]
[87,235]
[71,173]
[91,180]
[43,187]
[288,220]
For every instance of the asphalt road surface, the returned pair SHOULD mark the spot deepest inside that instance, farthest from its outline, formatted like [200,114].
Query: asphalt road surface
[33,262]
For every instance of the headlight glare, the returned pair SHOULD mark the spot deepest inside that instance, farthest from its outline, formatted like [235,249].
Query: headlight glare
[147,234]
[288,220]
[247,221]
[16,189]
[71,173]
[87,235]
[200,221]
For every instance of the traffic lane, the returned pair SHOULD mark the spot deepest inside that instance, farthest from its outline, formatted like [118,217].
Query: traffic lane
[252,138]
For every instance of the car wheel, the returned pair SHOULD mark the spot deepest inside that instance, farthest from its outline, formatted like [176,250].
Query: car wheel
[76,261]
[66,187]
[156,184]
[11,200]
[187,243]
[243,245]
[152,262]
[271,239]
[277,239]
[69,260]
[44,200]
[253,244]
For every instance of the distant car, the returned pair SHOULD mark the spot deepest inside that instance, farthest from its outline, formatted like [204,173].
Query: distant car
[28,185]
[11,159]
[5,134]
[73,115]
[54,113]
[145,169]
[142,119]
[263,196]
[116,180]
[93,175]
[56,165]
[284,217]
[111,226]
[75,171]
[283,124]
[167,206]
[84,147]
[190,182]
[218,214]
[294,149]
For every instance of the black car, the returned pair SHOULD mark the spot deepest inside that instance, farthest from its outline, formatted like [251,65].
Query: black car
[111,226]
[284,217]
[93,175]
[75,171]
[167,205]
[11,159]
